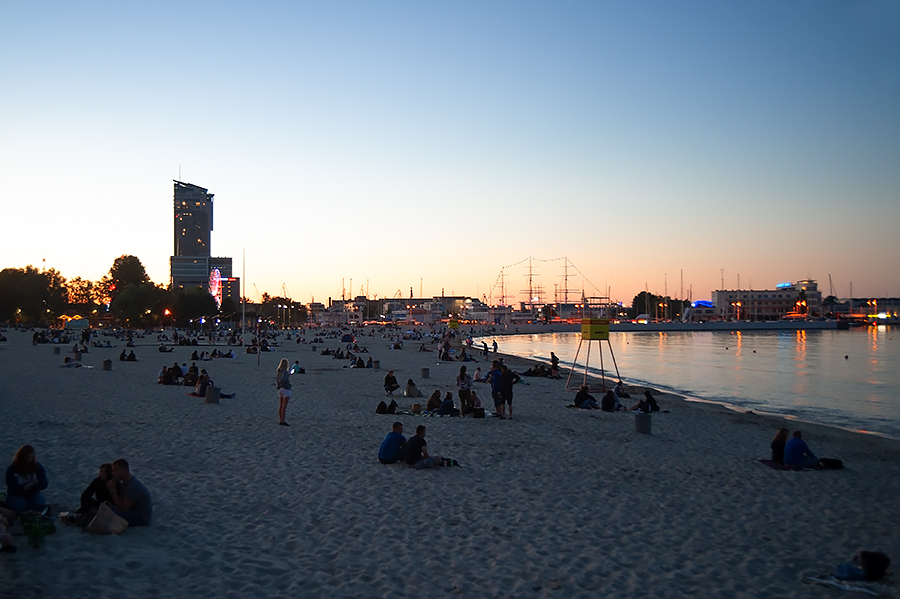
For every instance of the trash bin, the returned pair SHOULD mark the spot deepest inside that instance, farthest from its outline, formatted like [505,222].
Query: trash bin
[376,364]
[425,373]
[212,394]
[642,423]
[55,351]
[78,356]
[107,364]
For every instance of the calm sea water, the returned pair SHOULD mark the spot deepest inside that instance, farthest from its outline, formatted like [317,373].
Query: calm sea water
[803,374]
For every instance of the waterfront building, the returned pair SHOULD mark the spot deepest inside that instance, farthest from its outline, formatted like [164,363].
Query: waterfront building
[802,298]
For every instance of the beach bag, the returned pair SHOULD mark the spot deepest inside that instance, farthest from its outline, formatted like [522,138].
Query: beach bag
[477,412]
[107,522]
[416,408]
[392,408]
[381,408]
[831,463]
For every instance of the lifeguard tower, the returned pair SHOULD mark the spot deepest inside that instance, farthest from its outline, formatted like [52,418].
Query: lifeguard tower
[596,313]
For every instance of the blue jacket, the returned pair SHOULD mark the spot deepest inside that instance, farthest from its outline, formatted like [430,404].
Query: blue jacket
[794,452]
[15,484]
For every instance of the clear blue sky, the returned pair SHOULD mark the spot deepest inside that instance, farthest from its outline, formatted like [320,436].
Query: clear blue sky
[408,143]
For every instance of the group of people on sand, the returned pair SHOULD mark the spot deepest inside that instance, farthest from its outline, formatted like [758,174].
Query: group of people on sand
[792,451]
[26,480]
[611,401]
[469,402]
[130,357]
[395,448]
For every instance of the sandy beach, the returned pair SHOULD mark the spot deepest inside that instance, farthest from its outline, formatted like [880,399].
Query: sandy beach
[555,503]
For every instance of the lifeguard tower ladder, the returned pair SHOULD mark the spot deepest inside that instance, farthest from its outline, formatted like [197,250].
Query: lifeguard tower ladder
[596,313]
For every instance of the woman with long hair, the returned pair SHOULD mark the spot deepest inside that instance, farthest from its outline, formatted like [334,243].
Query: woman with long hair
[777,445]
[464,389]
[283,383]
[25,479]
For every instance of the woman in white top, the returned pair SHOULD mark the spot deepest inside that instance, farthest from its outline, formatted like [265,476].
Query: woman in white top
[283,383]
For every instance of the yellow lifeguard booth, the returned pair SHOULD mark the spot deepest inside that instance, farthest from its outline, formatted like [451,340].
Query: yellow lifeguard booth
[593,329]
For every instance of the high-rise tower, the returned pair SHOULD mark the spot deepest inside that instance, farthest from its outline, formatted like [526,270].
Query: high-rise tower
[192,264]
[193,220]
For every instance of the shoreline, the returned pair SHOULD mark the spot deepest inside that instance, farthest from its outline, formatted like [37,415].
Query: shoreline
[731,406]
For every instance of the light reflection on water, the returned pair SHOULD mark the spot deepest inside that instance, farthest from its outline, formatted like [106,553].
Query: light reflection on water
[798,373]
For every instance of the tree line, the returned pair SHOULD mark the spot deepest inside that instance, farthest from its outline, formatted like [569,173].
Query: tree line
[34,297]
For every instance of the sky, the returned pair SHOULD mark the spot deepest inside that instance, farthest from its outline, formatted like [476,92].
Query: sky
[378,147]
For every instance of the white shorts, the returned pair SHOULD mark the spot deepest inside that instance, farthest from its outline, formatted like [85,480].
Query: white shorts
[284,393]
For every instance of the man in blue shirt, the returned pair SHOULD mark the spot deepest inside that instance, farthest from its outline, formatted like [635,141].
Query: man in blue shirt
[797,453]
[393,446]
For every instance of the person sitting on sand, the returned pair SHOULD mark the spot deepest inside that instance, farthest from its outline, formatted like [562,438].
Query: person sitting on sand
[447,408]
[647,404]
[390,383]
[192,377]
[411,389]
[777,445]
[25,479]
[620,390]
[585,400]
[6,540]
[132,357]
[130,498]
[123,357]
[476,376]
[434,402]
[393,445]
[610,403]
[195,356]
[476,402]
[416,456]
[97,492]
[201,386]
[797,453]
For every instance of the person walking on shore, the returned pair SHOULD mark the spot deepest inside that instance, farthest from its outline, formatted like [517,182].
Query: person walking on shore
[283,383]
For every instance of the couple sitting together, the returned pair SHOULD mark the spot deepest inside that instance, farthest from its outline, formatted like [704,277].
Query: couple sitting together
[395,448]
[127,496]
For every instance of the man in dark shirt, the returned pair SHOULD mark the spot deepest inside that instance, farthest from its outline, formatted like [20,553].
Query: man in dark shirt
[416,455]
[390,383]
[97,492]
[508,378]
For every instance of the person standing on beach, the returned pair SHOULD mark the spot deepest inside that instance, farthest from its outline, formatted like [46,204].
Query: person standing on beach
[283,384]
[464,389]
[495,346]
[508,378]
[494,379]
